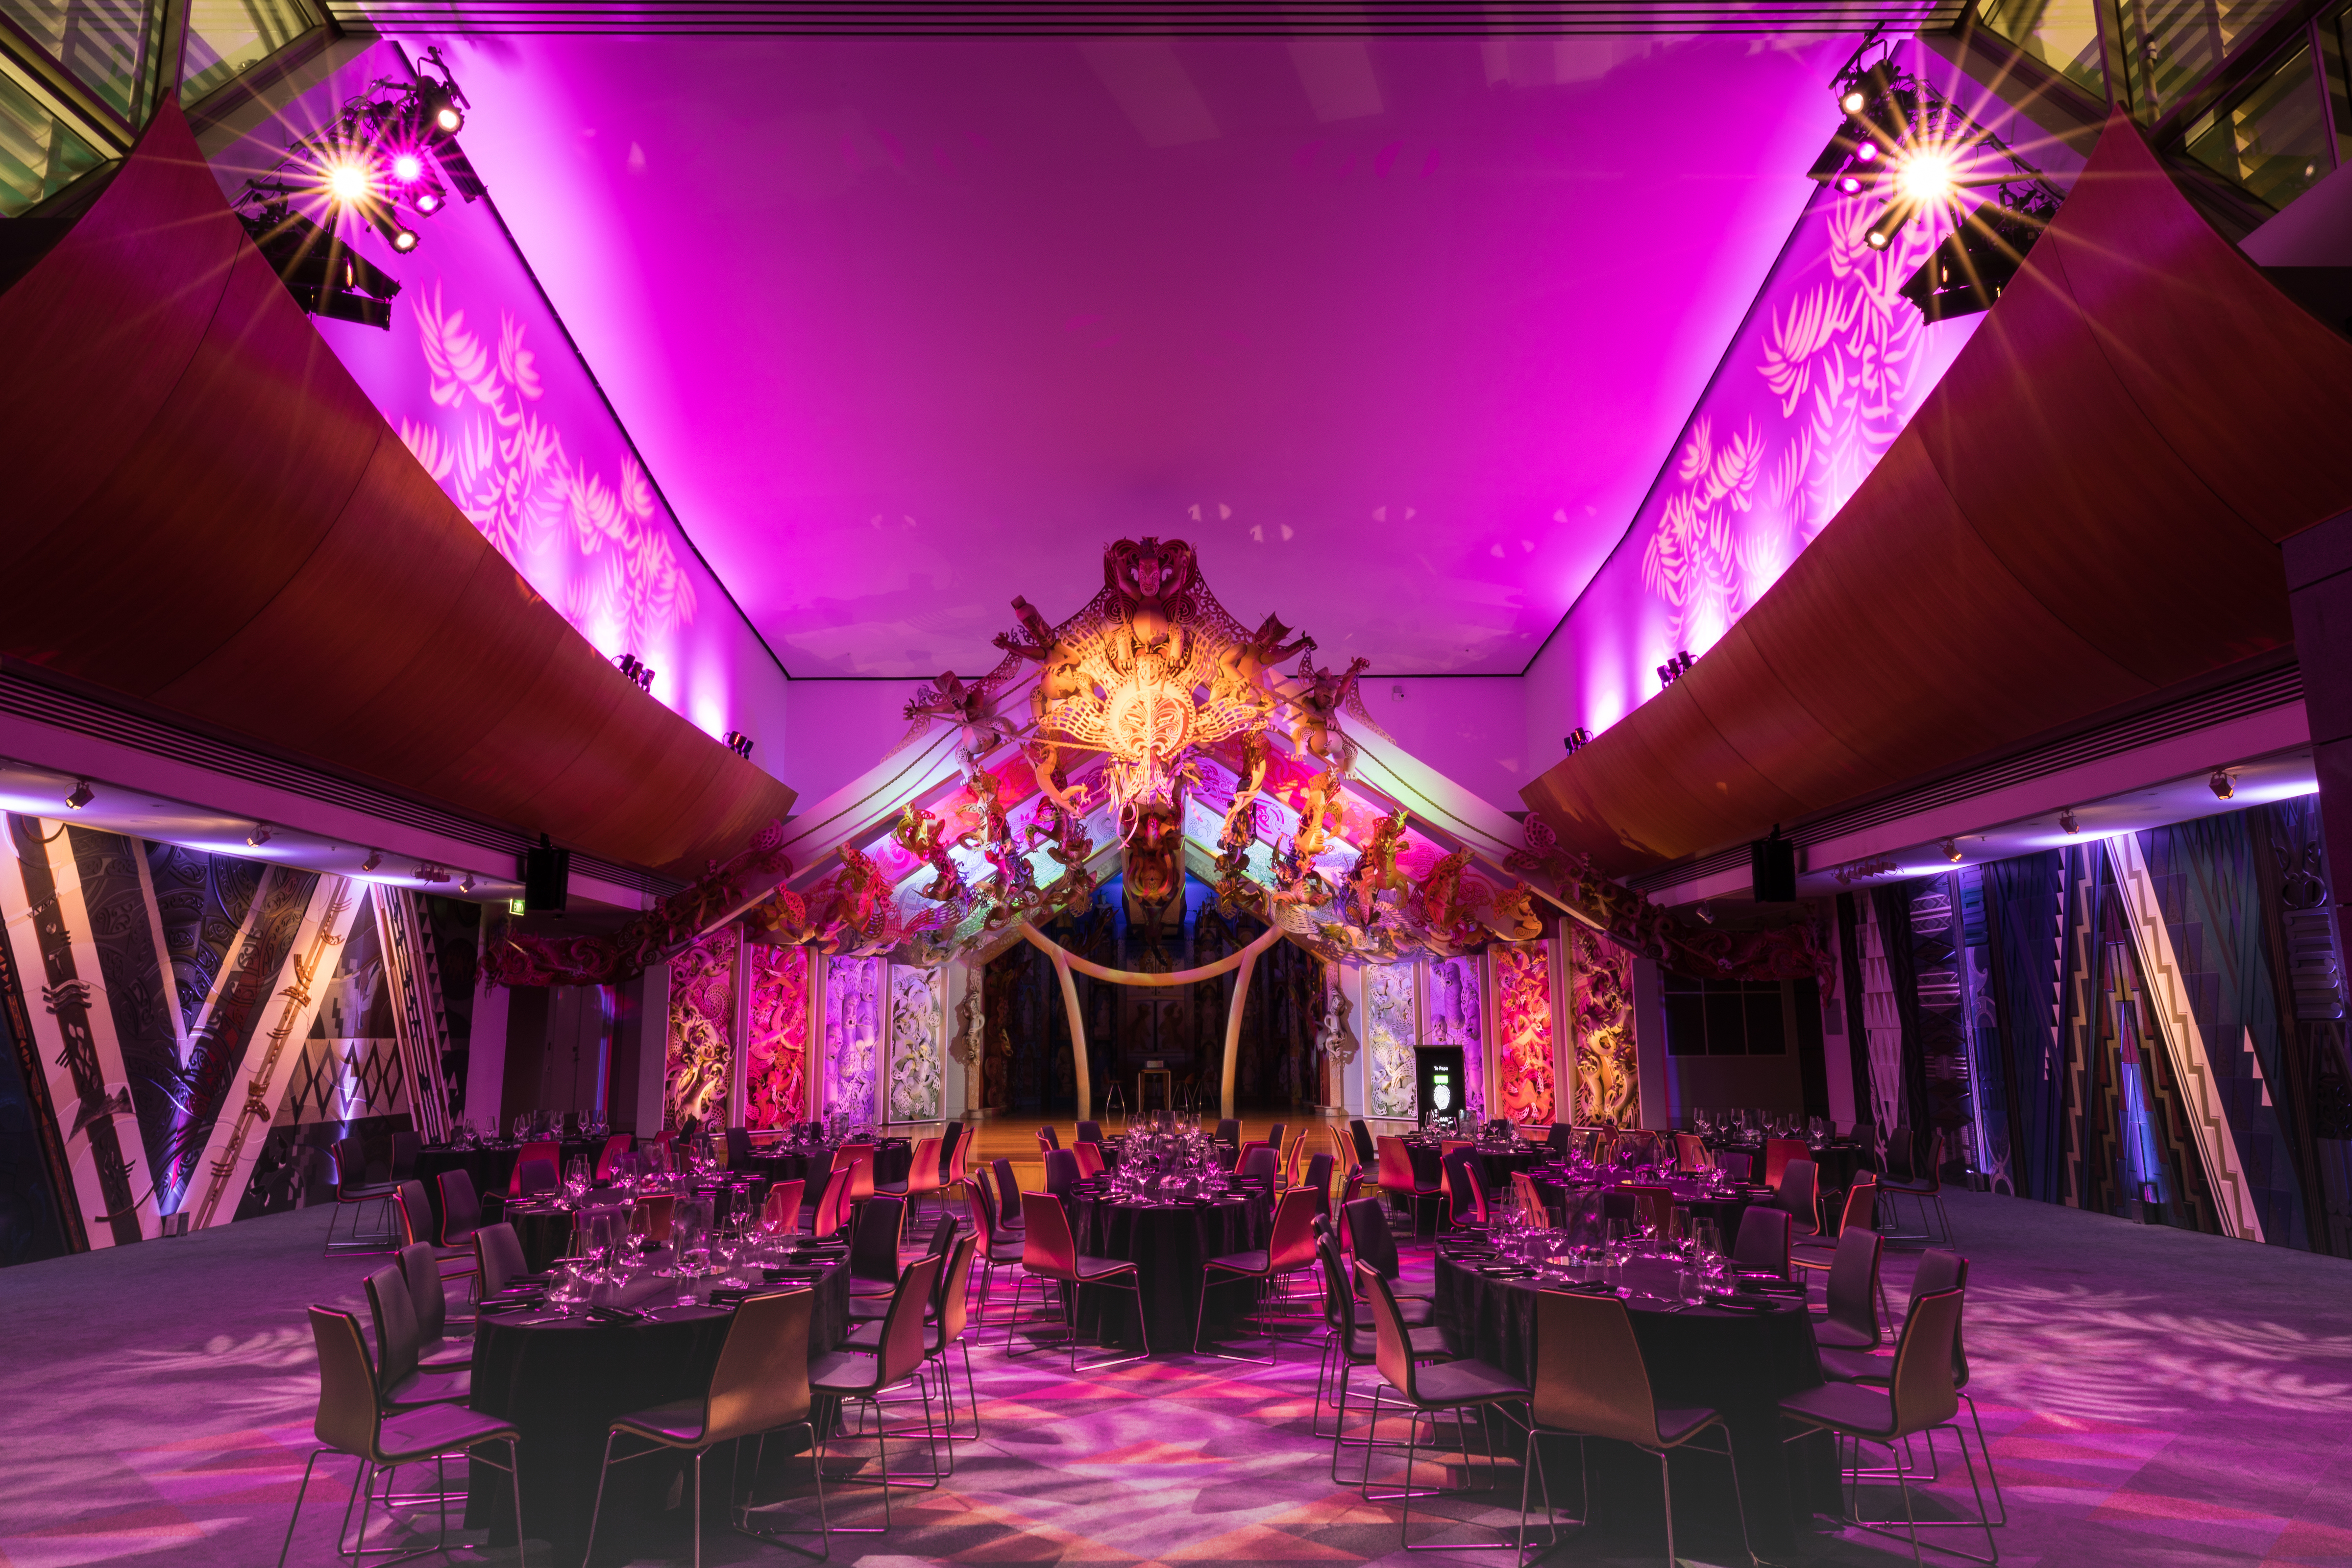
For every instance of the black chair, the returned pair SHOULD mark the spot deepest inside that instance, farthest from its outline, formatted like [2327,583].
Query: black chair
[738,1148]
[406,1146]
[759,1385]
[1229,1133]
[1047,1138]
[1089,1132]
[1465,1384]
[1349,1344]
[1318,1181]
[401,1383]
[1762,1242]
[1061,1175]
[1911,1176]
[355,1187]
[1560,1140]
[1374,1244]
[461,1208]
[874,1245]
[1008,1198]
[428,1299]
[1361,1135]
[951,1134]
[897,1358]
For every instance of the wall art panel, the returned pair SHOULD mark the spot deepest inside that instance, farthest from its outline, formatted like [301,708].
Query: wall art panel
[856,1012]
[1453,1014]
[1526,1093]
[701,1030]
[918,1020]
[1390,1086]
[775,1073]
[1600,1013]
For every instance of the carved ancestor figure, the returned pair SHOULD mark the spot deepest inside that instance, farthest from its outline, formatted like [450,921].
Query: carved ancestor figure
[1315,709]
[972,709]
[917,833]
[1241,817]
[1314,807]
[1376,869]
[1242,667]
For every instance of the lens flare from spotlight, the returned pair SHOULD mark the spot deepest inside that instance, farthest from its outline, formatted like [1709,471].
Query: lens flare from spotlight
[1854,101]
[407,167]
[1926,177]
[1868,152]
[403,240]
[348,182]
[446,119]
[429,204]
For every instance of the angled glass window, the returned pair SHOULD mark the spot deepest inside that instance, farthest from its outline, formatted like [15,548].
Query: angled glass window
[2062,33]
[228,38]
[107,45]
[40,154]
[2273,138]
[2171,46]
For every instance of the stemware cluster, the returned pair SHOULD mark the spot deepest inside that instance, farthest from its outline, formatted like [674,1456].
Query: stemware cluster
[1753,1126]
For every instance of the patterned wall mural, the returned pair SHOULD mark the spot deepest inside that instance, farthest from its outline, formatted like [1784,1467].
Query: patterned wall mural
[918,1019]
[1600,1014]
[856,1012]
[701,1030]
[1819,380]
[1453,992]
[1524,1033]
[1391,1088]
[775,1068]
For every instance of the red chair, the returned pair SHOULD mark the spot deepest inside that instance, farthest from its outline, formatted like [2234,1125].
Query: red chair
[549,1152]
[1778,1153]
[858,1160]
[832,1208]
[1290,1250]
[615,1147]
[1047,1140]
[1397,1181]
[1090,1161]
[922,1174]
[651,1216]
[1690,1153]
[1049,1254]
[995,1248]
[783,1209]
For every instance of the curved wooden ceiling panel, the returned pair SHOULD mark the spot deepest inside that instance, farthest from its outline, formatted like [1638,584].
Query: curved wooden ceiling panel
[207,513]
[2085,510]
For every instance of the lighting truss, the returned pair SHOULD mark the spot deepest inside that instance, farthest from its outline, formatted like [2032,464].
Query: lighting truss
[388,159]
[1904,140]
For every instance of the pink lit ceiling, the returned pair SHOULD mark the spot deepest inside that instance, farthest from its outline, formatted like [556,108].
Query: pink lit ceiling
[1398,333]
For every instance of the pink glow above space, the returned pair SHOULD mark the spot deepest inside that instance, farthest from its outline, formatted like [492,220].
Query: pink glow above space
[1398,333]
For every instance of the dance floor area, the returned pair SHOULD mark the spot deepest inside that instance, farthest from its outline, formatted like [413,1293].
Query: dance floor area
[2153,1397]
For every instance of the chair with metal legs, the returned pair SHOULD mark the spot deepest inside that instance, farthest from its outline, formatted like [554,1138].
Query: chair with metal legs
[428,1299]
[1349,1344]
[759,1385]
[352,1420]
[781,1211]
[1368,1229]
[1937,1270]
[1049,1255]
[404,1385]
[1762,1240]
[1918,1396]
[354,1191]
[1008,1198]
[944,1331]
[995,1246]
[1592,1382]
[1424,1390]
[1398,1180]
[1851,1321]
[1906,1178]
[866,1375]
[1290,1251]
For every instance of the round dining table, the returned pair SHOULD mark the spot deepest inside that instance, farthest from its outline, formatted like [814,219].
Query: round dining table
[1170,1244]
[1556,1185]
[562,1376]
[1836,1162]
[1739,1361]
[490,1167]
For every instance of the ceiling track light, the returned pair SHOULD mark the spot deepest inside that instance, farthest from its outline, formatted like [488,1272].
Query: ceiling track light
[259,835]
[2221,784]
[466,886]
[375,859]
[2067,823]
[1951,848]
[80,795]
[1576,739]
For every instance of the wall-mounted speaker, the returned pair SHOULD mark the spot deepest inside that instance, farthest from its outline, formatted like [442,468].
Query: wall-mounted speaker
[1772,869]
[546,877]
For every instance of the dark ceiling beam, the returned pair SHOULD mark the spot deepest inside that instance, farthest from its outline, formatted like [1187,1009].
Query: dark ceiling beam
[2085,511]
[208,514]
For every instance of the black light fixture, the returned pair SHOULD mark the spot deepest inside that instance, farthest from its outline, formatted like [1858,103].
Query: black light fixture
[1978,260]
[259,835]
[639,673]
[1576,739]
[2220,783]
[1706,912]
[740,743]
[325,277]
[1951,848]
[546,877]
[1675,669]
[2066,824]
[81,794]
[1772,868]
[466,886]
[375,859]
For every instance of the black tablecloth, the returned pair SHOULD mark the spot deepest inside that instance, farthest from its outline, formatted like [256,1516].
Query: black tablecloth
[544,1229]
[1724,1210]
[490,1166]
[892,1159]
[1497,1166]
[1170,1247]
[561,1381]
[1834,1164]
[1741,1363]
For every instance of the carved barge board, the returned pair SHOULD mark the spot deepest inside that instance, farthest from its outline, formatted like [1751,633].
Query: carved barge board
[49,935]
[275,1043]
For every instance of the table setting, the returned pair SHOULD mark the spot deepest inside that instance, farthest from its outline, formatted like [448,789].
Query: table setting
[1168,1207]
[1710,1334]
[1836,1161]
[627,1324]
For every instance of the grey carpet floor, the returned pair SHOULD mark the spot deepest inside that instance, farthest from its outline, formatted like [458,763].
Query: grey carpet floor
[2153,1397]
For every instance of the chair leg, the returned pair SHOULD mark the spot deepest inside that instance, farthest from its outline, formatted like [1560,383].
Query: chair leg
[595,1511]
[299,1493]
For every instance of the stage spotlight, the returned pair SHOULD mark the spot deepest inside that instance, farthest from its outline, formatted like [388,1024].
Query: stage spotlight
[375,859]
[2221,784]
[403,240]
[325,279]
[467,885]
[259,836]
[426,197]
[1980,258]
[408,168]
[1884,227]
[2066,824]
[1706,913]
[441,112]
[82,795]
[1951,848]
[348,182]
[1925,178]
[1855,101]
